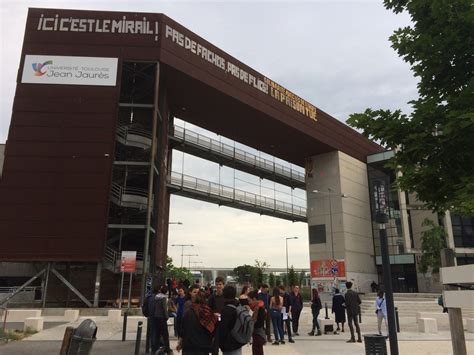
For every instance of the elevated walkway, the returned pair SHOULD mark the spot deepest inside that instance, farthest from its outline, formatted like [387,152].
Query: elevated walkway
[189,186]
[210,149]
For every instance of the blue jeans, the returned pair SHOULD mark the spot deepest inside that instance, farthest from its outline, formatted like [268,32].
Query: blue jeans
[315,319]
[277,323]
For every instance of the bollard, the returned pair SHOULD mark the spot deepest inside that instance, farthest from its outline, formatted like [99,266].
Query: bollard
[147,337]
[360,317]
[397,320]
[139,338]
[326,308]
[124,330]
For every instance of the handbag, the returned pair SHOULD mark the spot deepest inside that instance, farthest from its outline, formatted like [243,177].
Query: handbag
[377,310]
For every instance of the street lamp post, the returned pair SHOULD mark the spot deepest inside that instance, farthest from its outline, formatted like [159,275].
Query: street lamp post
[331,193]
[286,241]
[182,250]
[189,259]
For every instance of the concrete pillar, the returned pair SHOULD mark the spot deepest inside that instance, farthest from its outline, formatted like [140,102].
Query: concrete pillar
[348,218]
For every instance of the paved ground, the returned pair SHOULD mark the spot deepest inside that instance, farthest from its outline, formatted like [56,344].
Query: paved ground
[109,341]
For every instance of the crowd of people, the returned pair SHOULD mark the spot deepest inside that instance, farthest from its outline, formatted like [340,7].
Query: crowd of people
[211,319]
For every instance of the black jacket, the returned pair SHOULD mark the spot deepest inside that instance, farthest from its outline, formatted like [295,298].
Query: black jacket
[195,336]
[228,318]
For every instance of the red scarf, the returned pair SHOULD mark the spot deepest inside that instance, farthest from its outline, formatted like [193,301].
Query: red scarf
[205,316]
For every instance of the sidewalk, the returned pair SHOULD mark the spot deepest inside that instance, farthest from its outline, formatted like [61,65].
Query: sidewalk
[109,337]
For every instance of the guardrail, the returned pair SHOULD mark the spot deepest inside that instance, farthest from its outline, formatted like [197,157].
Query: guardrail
[226,192]
[236,153]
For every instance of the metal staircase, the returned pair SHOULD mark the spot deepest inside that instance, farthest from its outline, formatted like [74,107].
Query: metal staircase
[133,135]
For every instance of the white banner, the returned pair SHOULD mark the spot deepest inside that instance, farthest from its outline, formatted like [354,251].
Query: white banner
[49,69]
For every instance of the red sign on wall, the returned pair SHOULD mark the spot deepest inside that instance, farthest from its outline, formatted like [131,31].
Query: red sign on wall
[128,261]
[328,268]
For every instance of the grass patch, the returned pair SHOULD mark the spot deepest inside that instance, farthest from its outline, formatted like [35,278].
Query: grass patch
[15,334]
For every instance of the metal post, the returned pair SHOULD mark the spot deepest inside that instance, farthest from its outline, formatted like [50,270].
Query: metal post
[397,319]
[121,292]
[330,224]
[130,292]
[124,329]
[147,337]
[45,290]
[139,338]
[387,278]
[326,308]
[360,317]
[97,284]
[151,177]
[455,315]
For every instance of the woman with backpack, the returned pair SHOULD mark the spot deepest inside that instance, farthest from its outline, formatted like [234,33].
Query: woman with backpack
[276,305]
[316,307]
[258,316]
[381,311]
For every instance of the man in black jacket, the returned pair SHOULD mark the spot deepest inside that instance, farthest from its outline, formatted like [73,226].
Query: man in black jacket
[227,343]
[296,306]
[353,308]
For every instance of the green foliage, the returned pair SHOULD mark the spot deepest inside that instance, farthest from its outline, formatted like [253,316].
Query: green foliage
[432,241]
[271,280]
[253,274]
[180,273]
[434,144]
[244,273]
[293,278]
[278,281]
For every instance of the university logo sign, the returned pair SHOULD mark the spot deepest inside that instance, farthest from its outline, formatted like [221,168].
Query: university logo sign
[65,70]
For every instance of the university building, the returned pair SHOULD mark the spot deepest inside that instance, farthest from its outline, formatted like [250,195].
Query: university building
[86,172]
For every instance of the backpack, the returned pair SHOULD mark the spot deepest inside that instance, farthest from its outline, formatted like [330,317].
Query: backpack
[244,324]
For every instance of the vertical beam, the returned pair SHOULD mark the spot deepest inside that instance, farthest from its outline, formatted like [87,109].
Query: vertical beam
[97,284]
[45,289]
[151,175]
[455,315]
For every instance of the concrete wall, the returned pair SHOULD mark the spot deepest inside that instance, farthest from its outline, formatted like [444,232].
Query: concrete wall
[351,217]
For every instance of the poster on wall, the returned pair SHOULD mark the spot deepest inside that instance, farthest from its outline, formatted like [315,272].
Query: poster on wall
[330,268]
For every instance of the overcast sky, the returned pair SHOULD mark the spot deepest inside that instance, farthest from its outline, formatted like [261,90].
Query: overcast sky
[335,54]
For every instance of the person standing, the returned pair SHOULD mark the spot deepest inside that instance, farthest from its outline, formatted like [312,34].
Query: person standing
[339,309]
[161,318]
[244,296]
[148,310]
[199,324]
[216,303]
[316,307]
[264,296]
[227,343]
[179,301]
[276,304]
[258,336]
[353,308]
[286,318]
[381,311]
[296,306]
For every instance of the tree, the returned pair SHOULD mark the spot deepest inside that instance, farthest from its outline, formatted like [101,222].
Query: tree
[434,145]
[271,280]
[179,273]
[259,269]
[432,241]
[245,273]
[293,279]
